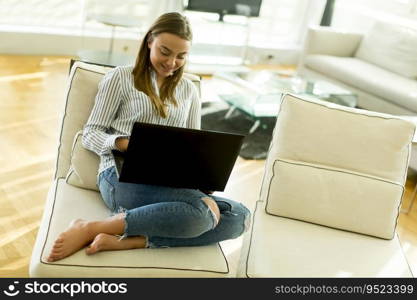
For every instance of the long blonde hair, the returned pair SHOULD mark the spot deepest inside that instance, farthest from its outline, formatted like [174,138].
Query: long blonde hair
[173,23]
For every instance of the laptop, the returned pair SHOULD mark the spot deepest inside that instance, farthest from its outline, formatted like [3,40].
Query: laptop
[178,157]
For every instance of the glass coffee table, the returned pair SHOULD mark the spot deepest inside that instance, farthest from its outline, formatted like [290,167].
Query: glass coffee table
[258,93]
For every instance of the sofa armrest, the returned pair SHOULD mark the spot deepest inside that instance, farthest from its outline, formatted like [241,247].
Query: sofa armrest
[330,41]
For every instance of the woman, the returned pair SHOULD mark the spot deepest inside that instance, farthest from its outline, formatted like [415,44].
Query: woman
[154,91]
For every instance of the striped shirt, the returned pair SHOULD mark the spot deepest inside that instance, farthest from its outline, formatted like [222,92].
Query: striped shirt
[118,105]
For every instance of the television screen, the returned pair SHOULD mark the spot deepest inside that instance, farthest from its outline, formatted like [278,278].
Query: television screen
[248,8]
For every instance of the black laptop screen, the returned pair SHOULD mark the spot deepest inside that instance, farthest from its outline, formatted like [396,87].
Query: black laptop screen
[180,157]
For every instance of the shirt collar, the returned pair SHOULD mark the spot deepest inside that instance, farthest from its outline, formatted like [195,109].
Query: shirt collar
[153,79]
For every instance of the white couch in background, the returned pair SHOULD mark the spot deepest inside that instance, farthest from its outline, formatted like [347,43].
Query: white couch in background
[379,66]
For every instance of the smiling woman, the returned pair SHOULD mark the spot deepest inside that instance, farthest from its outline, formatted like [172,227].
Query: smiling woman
[163,49]
[149,216]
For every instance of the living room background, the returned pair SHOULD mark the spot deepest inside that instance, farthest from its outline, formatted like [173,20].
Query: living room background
[39,38]
[275,36]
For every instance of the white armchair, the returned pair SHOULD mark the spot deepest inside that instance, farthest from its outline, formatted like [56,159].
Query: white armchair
[330,197]
[74,194]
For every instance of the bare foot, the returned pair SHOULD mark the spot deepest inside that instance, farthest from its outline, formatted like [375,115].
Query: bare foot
[103,242]
[70,241]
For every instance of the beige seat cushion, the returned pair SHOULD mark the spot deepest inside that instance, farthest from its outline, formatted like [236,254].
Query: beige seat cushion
[84,166]
[367,77]
[336,166]
[281,247]
[66,202]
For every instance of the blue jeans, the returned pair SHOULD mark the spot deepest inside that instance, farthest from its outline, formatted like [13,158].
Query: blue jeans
[172,217]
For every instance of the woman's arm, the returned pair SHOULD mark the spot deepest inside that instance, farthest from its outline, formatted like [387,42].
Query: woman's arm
[107,102]
[194,116]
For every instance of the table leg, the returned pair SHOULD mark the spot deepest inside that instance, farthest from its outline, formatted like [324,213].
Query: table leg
[255,126]
[229,112]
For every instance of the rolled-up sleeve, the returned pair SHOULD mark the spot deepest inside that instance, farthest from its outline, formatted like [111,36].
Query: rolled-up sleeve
[194,115]
[95,133]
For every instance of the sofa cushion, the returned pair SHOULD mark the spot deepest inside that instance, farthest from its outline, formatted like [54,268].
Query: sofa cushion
[330,41]
[281,247]
[80,97]
[392,47]
[335,197]
[367,77]
[337,166]
[66,202]
[84,165]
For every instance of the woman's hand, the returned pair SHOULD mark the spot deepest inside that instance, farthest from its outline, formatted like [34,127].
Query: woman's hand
[122,143]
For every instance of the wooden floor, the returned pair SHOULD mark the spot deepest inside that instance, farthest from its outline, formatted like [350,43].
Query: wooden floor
[31,94]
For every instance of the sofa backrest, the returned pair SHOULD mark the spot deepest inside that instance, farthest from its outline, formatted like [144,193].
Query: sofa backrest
[326,40]
[337,166]
[392,47]
[80,96]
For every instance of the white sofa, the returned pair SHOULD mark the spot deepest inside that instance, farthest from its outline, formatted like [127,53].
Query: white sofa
[379,66]
[330,196]
[74,194]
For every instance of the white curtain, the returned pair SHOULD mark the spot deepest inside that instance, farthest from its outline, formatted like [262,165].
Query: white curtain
[313,14]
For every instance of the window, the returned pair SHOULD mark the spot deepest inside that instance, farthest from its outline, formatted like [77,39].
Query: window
[59,16]
[281,22]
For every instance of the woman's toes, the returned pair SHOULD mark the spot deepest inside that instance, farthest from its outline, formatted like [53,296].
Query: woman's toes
[58,246]
[93,248]
[71,240]
[56,252]
[52,258]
